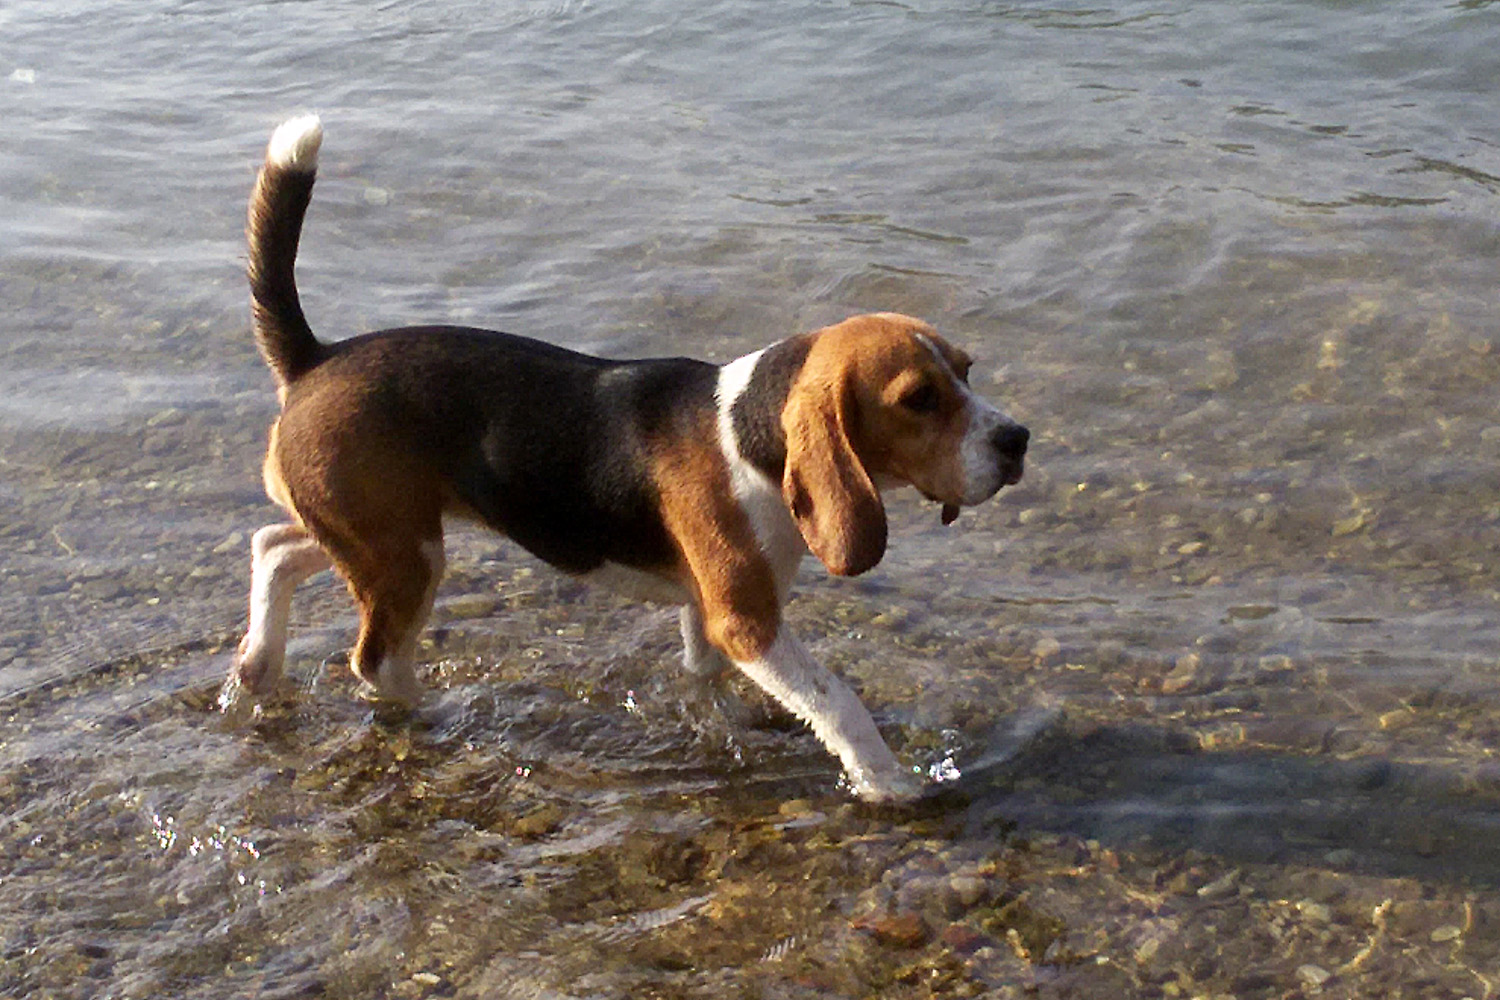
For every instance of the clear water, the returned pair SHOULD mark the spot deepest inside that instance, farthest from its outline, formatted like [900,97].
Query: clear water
[1234,264]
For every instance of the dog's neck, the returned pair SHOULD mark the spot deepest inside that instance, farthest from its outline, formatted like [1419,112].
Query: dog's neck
[763,381]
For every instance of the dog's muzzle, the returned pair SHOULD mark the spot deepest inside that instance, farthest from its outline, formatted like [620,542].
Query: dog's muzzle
[993,458]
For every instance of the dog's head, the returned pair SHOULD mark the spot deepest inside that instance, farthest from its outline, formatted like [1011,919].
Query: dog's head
[883,401]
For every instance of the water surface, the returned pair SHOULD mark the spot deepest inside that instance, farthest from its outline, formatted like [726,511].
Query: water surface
[1216,684]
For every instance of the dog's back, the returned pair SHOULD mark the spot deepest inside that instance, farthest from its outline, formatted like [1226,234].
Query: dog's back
[543,444]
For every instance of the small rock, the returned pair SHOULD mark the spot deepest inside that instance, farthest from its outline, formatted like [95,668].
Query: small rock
[169,417]
[1275,664]
[914,891]
[1397,719]
[897,930]
[1373,774]
[1340,856]
[795,807]
[1447,932]
[471,606]
[1183,675]
[109,590]
[969,890]
[1253,982]
[1223,886]
[1313,912]
[963,939]
[1349,525]
[537,823]
[233,543]
[1046,651]
[1313,975]
[1181,884]
[1109,653]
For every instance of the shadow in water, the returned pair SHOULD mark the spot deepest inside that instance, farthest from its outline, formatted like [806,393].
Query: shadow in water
[1143,785]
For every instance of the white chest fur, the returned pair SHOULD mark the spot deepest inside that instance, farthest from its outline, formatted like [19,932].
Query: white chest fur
[757,493]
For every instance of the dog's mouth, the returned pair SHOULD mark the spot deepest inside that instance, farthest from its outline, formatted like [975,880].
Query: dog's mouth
[1011,471]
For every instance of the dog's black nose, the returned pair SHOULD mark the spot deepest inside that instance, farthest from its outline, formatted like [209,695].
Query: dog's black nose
[1010,440]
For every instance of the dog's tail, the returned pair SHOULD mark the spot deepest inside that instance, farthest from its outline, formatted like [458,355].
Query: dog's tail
[277,206]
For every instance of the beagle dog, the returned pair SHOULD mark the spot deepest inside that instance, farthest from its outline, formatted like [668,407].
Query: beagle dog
[676,479]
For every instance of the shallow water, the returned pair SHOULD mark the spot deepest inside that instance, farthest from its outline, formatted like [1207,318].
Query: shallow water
[1215,685]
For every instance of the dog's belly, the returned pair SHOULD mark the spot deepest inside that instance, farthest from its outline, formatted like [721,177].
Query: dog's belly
[628,581]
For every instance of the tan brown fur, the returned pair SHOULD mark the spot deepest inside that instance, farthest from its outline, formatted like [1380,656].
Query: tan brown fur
[370,500]
[843,431]
[722,565]
[271,476]
[826,484]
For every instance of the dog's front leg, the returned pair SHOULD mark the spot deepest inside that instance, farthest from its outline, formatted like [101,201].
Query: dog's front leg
[788,673]
[738,613]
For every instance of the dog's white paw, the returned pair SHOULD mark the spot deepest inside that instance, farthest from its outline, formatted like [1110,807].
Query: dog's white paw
[892,787]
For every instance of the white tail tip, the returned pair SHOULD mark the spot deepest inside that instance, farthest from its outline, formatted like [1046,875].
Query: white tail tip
[294,144]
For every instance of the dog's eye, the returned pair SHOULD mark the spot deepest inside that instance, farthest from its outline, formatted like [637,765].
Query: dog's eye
[922,398]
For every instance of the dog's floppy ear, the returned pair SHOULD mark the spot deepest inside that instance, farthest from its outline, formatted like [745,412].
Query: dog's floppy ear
[836,506]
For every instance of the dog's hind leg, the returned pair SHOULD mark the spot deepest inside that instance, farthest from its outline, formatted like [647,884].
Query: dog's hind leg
[703,661]
[282,556]
[394,583]
[709,671]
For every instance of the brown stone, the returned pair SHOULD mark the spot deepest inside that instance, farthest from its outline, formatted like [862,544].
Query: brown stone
[896,930]
[964,939]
